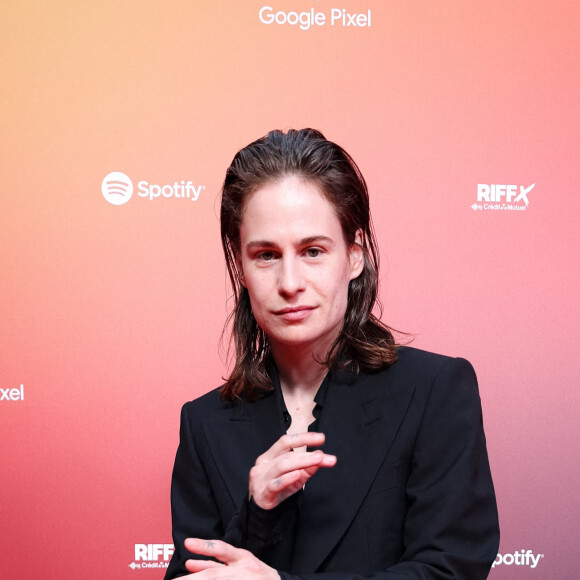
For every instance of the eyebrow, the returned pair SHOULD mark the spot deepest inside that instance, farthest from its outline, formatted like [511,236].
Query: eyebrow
[303,242]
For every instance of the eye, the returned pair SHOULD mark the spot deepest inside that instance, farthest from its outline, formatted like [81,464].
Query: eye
[313,252]
[265,256]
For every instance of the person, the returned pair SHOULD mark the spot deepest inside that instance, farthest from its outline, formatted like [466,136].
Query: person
[331,452]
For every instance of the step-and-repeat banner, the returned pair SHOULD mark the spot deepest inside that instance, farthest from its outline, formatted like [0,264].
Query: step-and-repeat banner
[118,120]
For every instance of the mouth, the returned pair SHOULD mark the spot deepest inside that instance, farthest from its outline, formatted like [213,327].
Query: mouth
[291,309]
[294,313]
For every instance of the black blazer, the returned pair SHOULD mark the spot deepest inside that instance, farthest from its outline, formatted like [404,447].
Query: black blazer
[411,495]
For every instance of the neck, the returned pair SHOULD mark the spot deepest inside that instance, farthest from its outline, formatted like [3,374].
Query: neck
[300,373]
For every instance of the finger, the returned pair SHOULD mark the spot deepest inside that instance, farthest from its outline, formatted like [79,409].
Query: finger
[217,549]
[276,489]
[295,479]
[285,486]
[303,460]
[287,469]
[288,442]
[194,566]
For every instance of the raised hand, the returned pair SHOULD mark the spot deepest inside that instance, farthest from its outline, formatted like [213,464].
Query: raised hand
[280,471]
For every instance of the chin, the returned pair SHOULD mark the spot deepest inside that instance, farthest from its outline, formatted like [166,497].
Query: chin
[300,338]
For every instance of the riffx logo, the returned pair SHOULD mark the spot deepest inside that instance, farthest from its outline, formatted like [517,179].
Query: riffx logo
[496,196]
[151,556]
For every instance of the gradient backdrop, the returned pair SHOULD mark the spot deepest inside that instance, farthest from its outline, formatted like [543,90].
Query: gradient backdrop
[111,314]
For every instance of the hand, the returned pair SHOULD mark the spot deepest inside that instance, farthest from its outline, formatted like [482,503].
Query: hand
[233,562]
[281,472]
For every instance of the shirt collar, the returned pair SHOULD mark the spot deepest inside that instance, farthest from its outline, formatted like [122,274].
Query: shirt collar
[319,398]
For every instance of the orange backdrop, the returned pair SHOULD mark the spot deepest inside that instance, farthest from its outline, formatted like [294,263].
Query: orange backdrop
[110,314]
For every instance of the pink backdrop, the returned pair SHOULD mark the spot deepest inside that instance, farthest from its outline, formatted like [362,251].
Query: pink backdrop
[110,315]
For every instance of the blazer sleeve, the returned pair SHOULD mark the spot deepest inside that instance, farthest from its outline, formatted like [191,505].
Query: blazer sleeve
[202,507]
[194,510]
[451,530]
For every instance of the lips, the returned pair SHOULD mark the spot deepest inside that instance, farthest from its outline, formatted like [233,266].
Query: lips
[294,313]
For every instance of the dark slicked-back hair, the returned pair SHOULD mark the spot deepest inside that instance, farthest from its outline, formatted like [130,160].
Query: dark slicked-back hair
[364,342]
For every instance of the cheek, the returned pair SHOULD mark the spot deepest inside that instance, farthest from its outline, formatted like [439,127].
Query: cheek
[342,288]
[340,297]
[342,301]
[258,291]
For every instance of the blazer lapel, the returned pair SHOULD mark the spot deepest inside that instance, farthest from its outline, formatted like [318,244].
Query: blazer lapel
[360,420]
[241,433]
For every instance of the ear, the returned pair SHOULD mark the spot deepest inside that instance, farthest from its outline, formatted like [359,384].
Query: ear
[356,256]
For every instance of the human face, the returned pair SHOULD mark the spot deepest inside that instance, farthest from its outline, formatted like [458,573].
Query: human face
[296,265]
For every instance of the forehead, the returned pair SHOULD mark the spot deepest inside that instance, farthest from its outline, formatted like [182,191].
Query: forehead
[289,206]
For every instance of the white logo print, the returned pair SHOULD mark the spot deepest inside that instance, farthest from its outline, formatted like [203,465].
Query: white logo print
[151,556]
[14,394]
[524,194]
[177,189]
[339,17]
[496,196]
[521,558]
[117,188]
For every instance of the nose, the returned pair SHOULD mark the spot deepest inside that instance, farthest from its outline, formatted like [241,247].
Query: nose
[291,279]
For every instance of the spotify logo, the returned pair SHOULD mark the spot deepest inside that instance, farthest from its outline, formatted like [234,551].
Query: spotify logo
[117,188]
